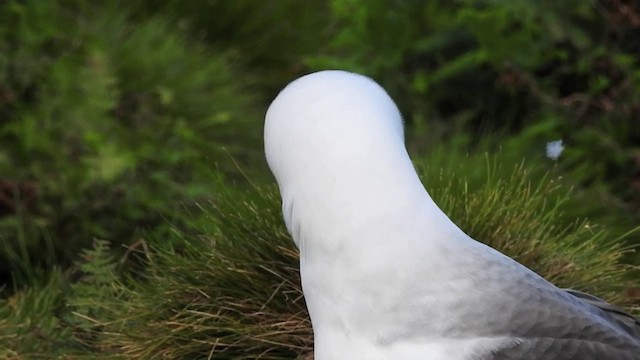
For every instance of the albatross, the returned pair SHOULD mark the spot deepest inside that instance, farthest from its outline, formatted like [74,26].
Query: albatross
[386,275]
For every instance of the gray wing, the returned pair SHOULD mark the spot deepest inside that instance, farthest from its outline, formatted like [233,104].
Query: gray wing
[596,345]
[625,320]
[503,301]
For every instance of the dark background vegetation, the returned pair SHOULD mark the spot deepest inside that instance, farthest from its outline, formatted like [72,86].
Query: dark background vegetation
[124,123]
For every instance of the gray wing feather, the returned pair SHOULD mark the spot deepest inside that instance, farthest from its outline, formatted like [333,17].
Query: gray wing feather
[627,321]
[555,349]
[552,348]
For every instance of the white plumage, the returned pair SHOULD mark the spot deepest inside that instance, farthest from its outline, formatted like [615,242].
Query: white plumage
[385,273]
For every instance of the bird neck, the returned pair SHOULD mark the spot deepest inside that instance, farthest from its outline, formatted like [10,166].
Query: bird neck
[331,212]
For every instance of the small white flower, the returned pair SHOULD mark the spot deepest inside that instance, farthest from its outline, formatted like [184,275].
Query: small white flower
[554,149]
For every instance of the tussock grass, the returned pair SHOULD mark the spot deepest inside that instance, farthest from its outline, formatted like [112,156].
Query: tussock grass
[228,291]
[31,325]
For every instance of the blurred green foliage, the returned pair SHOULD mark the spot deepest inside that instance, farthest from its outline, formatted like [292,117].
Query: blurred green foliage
[108,124]
[119,119]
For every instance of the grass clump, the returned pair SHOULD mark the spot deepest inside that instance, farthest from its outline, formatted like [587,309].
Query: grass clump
[32,324]
[229,290]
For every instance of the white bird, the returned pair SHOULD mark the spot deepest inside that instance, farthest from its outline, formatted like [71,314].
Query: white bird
[385,273]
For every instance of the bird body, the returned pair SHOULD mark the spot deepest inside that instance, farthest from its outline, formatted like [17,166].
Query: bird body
[385,273]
